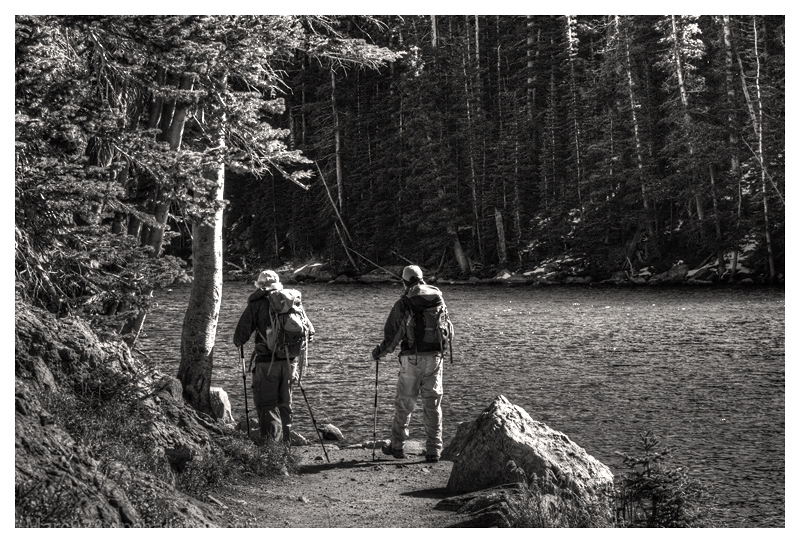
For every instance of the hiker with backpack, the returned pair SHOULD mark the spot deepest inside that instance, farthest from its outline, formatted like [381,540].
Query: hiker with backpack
[419,323]
[282,330]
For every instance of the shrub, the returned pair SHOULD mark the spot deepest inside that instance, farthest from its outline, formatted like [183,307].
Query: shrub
[231,455]
[652,494]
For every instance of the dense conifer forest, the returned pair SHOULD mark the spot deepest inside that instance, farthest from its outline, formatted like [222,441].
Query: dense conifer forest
[468,144]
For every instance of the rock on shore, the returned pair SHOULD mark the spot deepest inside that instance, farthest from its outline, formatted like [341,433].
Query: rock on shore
[505,445]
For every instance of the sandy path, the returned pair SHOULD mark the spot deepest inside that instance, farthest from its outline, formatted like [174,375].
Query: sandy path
[352,491]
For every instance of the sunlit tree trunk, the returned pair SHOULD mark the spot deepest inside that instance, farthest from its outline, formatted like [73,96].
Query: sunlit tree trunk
[735,171]
[572,44]
[759,127]
[634,116]
[473,177]
[337,143]
[677,57]
[202,312]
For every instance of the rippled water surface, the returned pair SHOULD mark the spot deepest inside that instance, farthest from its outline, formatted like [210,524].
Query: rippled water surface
[703,369]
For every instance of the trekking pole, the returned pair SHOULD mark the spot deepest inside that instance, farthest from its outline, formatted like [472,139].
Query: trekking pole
[244,382]
[313,421]
[375,417]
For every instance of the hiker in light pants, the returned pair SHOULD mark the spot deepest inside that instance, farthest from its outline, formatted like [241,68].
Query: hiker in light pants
[418,322]
[420,376]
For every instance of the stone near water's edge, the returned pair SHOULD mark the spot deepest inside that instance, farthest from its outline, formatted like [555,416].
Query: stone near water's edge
[221,405]
[505,445]
[331,432]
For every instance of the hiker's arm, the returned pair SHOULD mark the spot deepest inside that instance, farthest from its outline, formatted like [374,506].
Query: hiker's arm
[393,331]
[244,329]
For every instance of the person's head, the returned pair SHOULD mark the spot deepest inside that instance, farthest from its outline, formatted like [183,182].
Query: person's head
[268,280]
[411,276]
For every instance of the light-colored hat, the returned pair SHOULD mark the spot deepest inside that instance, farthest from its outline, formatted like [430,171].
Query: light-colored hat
[410,272]
[268,280]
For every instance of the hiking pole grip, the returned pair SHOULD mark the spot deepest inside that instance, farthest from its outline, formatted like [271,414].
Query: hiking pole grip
[244,383]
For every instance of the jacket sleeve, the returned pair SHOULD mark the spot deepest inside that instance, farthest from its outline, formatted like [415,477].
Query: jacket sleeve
[395,328]
[245,327]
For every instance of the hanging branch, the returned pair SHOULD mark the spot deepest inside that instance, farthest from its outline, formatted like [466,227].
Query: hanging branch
[761,164]
[346,250]
[335,209]
[376,265]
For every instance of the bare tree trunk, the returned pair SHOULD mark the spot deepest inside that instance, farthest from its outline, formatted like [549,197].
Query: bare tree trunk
[573,85]
[337,143]
[434,32]
[517,204]
[461,258]
[760,134]
[685,103]
[732,139]
[471,149]
[501,237]
[174,136]
[172,133]
[717,225]
[634,117]
[202,313]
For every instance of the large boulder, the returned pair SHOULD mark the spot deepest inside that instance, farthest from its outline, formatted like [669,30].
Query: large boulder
[505,445]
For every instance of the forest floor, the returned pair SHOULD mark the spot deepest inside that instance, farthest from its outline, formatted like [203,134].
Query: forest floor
[352,491]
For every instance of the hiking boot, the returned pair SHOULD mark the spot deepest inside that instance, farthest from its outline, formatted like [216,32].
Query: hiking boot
[389,451]
[431,458]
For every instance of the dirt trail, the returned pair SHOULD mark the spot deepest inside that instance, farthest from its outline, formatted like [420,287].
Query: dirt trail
[353,491]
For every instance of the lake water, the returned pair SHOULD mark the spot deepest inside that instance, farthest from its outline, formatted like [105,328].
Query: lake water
[703,369]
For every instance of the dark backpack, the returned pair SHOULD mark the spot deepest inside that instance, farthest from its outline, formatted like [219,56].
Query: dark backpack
[429,330]
[289,328]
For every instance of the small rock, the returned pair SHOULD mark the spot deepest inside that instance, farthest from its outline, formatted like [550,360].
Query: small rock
[302,499]
[221,405]
[331,432]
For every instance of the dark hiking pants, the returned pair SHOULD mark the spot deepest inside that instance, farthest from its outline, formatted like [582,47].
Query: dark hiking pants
[272,396]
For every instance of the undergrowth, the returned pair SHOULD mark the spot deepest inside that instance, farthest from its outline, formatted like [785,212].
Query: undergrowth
[229,456]
[104,414]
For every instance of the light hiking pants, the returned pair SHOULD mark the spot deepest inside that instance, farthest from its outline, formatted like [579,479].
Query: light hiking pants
[272,396]
[419,376]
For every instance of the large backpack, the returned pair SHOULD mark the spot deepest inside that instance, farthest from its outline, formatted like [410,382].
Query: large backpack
[289,326]
[429,329]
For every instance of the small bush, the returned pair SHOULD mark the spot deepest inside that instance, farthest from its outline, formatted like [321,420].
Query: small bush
[652,494]
[229,456]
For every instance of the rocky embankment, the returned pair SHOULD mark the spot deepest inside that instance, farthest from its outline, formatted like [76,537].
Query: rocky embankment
[63,373]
